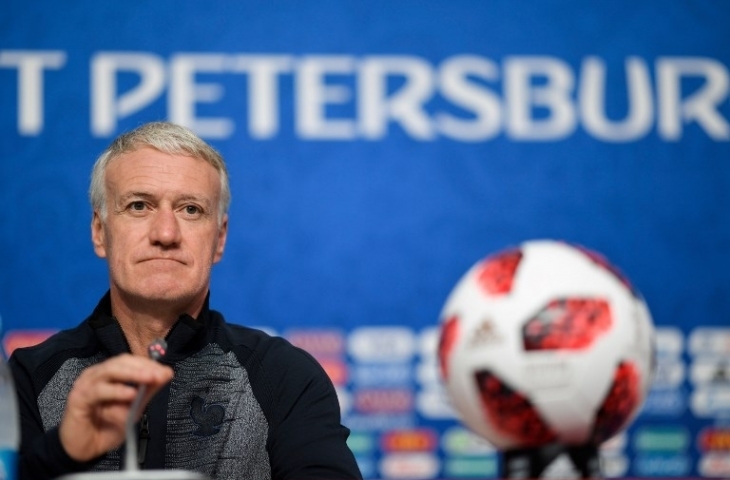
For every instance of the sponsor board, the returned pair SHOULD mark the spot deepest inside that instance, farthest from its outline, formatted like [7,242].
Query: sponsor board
[710,341]
[669,342]
[378,375]
[662,438]
[662,465]
[381,344]
[714,465]
[458,441]
[710,401]
[367,467]
[435,404]
[669,373]
[714,439]
[382,400]
[345,399]
[319,343]
[471,467]
[665,403]
[427,374]
[428,343]
[413,440]
[24,338]
[361,442]
[379,422]
[710,371]
[335,369]
[410,465]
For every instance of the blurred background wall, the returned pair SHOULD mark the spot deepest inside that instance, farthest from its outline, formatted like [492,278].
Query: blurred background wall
[376,151]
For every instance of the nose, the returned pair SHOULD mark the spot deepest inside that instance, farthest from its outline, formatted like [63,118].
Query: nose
[165,229]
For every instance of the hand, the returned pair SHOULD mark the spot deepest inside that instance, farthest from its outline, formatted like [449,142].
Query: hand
[98,405]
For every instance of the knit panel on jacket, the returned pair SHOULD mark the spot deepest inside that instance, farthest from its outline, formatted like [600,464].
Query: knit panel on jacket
[212,412]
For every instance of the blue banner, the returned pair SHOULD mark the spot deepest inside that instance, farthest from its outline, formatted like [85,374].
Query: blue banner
[379,149]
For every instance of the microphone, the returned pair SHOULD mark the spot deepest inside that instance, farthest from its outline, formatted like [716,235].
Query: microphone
[156,350]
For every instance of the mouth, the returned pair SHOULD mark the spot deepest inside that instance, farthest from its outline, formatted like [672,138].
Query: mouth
[162,259]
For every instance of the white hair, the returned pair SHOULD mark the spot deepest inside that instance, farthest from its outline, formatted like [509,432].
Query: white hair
[167,138]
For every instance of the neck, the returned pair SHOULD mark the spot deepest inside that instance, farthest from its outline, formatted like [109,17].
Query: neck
[145,321]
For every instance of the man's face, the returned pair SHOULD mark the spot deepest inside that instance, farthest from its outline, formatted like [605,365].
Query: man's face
[161,235]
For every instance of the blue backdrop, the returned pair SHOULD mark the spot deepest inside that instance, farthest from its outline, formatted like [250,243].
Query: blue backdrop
[376,151]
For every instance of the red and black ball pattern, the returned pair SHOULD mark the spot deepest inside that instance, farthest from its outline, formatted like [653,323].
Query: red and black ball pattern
[510,412]
[449,334]
[567,324]
[621,400]
[496,274]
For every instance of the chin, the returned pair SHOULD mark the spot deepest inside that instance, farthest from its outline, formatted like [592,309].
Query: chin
[165,295]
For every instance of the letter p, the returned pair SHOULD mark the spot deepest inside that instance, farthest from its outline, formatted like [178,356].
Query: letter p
[107,107]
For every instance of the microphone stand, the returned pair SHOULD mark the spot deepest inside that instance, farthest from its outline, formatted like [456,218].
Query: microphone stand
[131,460]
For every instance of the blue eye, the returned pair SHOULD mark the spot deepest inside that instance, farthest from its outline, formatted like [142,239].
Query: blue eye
[192,210]
[138,206]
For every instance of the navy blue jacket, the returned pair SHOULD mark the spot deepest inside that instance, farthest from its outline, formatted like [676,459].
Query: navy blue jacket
[241,405]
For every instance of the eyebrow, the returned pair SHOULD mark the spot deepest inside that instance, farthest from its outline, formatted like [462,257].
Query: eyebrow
[149,196]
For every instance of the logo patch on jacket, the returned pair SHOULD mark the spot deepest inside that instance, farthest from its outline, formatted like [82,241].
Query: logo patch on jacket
[208,418]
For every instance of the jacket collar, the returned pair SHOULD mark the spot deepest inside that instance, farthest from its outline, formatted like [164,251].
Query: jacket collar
[185,337]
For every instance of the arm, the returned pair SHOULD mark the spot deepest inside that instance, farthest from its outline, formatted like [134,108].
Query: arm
[41,455]
[306,438]
[94,418]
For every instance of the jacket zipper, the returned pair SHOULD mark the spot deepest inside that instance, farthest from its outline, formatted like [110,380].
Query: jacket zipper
[144,436]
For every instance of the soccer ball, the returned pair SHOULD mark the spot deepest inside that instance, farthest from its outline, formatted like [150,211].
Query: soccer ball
[546,343]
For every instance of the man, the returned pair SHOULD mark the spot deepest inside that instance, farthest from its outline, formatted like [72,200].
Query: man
[227,401]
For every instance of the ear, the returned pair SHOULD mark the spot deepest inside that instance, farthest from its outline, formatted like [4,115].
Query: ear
[221,240]
[97,235]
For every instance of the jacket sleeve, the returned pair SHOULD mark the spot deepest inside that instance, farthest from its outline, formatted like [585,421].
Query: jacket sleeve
[41,455]
[306,439]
